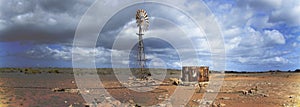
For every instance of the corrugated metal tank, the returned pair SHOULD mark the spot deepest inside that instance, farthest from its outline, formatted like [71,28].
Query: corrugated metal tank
[195,74]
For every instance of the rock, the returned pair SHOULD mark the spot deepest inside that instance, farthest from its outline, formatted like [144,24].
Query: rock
[244,92]
[198,100]
[131,101]
[168,99]
[58,89]
[214,105]
[126,104]
[265,95]
[256,88]
[210,91]
[136,105]
[162,105]
[130,78]
[252,91]
[221,105]
[208,102]
[166,96]
[71,90]
[138,79]
[105,105]
[88,105]
[175,81]
[225,98]
[116,103]
[160,97]
[107,98]
[169,104]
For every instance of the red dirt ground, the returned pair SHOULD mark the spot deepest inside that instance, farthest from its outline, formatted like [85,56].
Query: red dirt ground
[32,90]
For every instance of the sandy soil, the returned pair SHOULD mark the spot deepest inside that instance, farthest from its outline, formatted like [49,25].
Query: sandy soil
[35,90]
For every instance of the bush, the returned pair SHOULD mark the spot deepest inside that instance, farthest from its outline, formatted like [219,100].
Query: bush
[173,72]
[33,71]
[54,71]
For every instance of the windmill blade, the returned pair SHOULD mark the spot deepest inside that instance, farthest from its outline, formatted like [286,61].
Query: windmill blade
[142,19]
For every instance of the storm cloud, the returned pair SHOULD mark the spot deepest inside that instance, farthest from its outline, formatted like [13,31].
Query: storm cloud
[40,21]
[258,34]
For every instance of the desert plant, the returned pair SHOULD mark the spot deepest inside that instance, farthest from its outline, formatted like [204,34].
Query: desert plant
[53,71]
[33,71]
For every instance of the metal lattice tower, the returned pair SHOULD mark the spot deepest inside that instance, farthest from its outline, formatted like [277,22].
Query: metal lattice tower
[143,23]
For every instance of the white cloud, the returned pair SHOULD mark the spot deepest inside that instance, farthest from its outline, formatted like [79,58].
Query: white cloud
[274,37]
[261,4]
[242,60]
[256,48]
[288,13]
[295,44]
[244,25]
[260,22]
[276,60]
[82,55]
[233,43]
[2,24]
[176,64]
[252,38]
[49,53]
[24,18]
[232,32]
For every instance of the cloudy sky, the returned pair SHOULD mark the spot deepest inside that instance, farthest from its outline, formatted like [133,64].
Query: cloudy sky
[258,34]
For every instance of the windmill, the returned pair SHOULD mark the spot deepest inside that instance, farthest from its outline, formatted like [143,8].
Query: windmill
[143,24]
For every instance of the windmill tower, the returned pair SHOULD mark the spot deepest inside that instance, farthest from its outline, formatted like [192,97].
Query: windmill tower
[143,24]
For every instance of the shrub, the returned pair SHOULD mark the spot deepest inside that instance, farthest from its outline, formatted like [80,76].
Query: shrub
[54,71]
[33,71]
